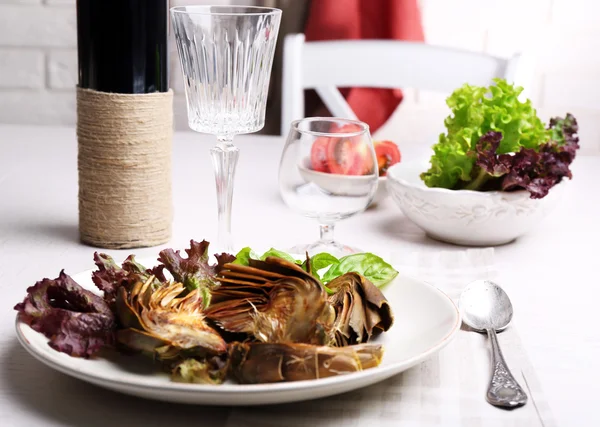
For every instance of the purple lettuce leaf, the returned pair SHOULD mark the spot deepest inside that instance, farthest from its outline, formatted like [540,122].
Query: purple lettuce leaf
[535,170]
[563,131]
[75,320]
[137,272]
[194,271]
[539,171]
[487,158]
[524,174]
[109,277]
[222,259]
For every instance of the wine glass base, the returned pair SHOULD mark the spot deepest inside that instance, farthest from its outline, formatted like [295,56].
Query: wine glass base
[331,247]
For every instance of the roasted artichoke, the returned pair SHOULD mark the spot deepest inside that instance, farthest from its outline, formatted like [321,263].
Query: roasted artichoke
[360,309]
[273,301]
[165,321]
[209,370]
[252,363]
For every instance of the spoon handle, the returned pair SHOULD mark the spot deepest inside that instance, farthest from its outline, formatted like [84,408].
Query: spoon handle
[503,389]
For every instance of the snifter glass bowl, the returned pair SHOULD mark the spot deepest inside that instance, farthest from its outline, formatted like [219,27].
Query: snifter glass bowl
[328,171]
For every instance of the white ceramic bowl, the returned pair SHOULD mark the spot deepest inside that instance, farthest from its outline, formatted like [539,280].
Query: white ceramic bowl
[352,185]
[464,217]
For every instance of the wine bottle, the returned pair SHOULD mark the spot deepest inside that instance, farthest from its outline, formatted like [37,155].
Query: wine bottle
[122,45]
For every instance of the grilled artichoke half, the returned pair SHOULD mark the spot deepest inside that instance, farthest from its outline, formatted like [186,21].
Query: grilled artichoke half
[360,307]
[165,321]
[273,301]
[210,370]
[253,363]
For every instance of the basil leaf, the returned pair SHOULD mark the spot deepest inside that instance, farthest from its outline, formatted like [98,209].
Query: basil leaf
[374,268]
[321,261]
[279,254]
[244,256]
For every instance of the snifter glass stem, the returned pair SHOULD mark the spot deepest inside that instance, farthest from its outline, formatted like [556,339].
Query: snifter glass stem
[224,156]
[326,231]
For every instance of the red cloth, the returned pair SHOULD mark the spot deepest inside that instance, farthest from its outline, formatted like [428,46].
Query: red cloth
[366,19]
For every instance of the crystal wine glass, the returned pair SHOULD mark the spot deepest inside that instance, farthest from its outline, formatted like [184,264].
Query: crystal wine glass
[226,55]
[328,172]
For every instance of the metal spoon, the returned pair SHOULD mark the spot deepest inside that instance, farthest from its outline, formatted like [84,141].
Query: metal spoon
[485,307]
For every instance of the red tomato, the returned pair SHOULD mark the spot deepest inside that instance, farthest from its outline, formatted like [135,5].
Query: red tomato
[318,155]
[347,157]
[388,154]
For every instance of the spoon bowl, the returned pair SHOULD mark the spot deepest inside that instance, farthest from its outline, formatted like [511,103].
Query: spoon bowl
[484,305]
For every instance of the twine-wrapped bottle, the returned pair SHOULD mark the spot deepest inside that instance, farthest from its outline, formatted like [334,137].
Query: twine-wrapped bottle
[124,123]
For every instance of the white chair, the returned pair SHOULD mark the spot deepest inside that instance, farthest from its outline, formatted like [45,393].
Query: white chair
[327,65]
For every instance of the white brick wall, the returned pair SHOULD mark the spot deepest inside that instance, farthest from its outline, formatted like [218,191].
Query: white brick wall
[38,65]
[21,69]
[37,61]
[37,26]
[61,66]
[20,1]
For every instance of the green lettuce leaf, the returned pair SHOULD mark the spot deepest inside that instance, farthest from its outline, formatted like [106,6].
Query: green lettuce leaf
[475,112]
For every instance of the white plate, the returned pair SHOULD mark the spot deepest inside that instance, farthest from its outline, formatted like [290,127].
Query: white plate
[426,320]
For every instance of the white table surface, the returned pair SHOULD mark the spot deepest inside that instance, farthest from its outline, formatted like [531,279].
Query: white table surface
[550,274]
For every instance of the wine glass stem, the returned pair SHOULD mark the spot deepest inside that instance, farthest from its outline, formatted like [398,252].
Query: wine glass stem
[224,156]
[326,231]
